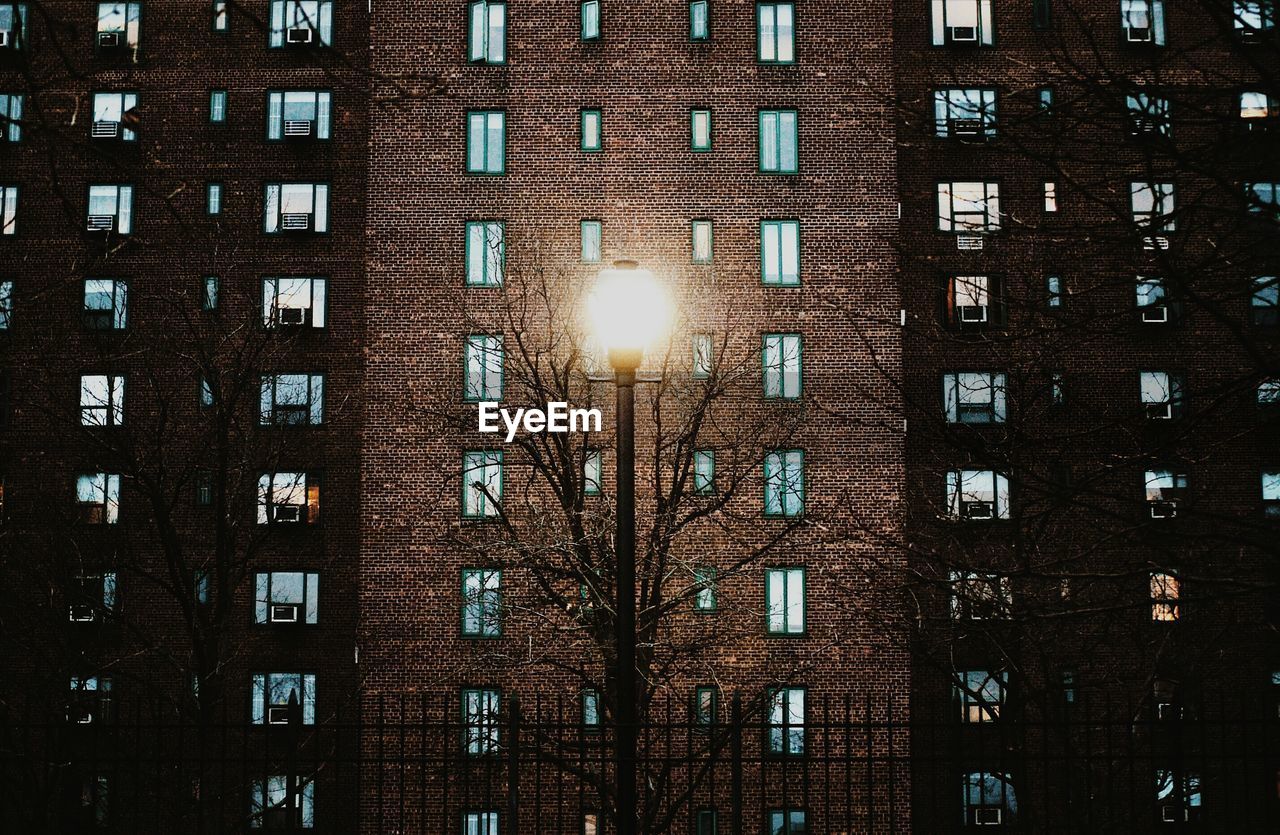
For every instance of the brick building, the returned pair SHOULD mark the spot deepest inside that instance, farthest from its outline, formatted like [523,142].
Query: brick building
[966,410]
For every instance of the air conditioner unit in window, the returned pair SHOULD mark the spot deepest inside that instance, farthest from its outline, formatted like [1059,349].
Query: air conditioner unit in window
[79,715]
[6,39]
[277,714]
[1248,34]
[1144,125]
[969,242]
[964,34]
[1138,34]
[1166,711]
[284,612]
[1163,509]
[286,513]
[291,316]
[109,40]
[1173,814]
[81,613]
[972,314]
[299,35]
[105,130]
[297,128]
[1159,411]
[1155,314]
[101,223]
[1154,242]
[968,130]
[988,816]
[295,222]
[977,510]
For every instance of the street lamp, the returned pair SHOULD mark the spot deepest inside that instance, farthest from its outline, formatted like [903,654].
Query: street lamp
[629,310]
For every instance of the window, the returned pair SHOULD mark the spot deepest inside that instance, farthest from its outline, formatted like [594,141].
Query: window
[1264,302]
[590,19]
[209,289]
[300,23]
[480,721]
[483,364]
[1142,21]
[1269,392]
[1148,114]
[1068,683]
[481,483]
[977,495]
[980,596]
[979,694]
[785,822]
[775,33]
[1178,794]
[111,209]
[1153,206]
[1161,394]
[700,130]
[480,823]
[592,472]
[101,400]
[295,207]
[11,117]
[272,693]
[1051,197]
[286,597]
[781,360]
[6,305]
[114,116]
[213,199]
[1165,591]
[784,483]
[702,241]
[592,232]
[705,822]
[1054,291]
[98,498]
[704,472]
[106,304]
[973,301]
[299,114]
[780,252]
[288,499]
[218,107]
[1057,389]
[591,130]
[1044,98]
[293,301]
[590,710]
[486,253]
[784,595]
[221,21]
[13,25]
[705,594]
[591,823]
[487,39]
[292,400]
[962,23]
[965,113]
[1164,490]
[779,145]
[206,393]
[1041,14]
[486,141]
[269,803]
[705,704]
[119,31]
[703,356]
[1152,299]
[90,699]
[1258,107]
[974,397]
[785,729]
[968,207]
[1271,494]
[700,20]
[91,596]
[1251,19]
[481,602]
[989,799]
[1263,198]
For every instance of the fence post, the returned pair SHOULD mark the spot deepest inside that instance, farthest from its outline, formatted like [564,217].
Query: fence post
[513,766]
[735,762]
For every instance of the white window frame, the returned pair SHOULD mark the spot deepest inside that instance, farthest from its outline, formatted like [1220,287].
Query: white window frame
[962,23]
[280,196]
[118,199]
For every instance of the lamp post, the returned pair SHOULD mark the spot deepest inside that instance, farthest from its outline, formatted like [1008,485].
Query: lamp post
[629,310]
